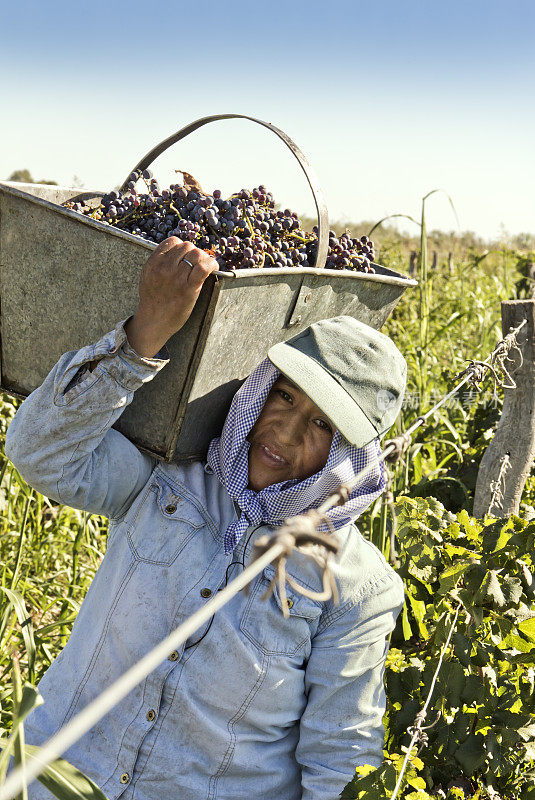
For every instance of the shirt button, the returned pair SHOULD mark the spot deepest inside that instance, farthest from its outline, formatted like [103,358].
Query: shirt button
[151,714]
[206,592]
[173,656]
[290,603]
[125,777]
[170,509]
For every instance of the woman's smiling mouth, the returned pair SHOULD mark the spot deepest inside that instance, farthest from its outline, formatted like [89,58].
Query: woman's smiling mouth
[269,457]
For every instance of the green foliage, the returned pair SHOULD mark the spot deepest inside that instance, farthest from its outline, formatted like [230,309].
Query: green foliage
[60,777]
[24,176]
[49,554]
[484,696]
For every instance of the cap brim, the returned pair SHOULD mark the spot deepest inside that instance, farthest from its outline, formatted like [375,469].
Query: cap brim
[325,392]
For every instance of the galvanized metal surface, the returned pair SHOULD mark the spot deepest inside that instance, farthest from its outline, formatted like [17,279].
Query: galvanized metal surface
[52,193]
[65,280]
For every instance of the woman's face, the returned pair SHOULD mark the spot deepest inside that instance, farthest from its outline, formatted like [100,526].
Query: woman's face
[290,439]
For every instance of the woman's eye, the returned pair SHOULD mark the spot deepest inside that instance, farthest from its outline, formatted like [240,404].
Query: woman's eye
[324,425]
[284,395]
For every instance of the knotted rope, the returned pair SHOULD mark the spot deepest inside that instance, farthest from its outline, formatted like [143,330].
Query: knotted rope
[477,370]
[419,731]
[300,533]
[497,487]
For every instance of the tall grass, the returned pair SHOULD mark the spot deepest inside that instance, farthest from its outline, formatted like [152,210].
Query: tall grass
[457,318]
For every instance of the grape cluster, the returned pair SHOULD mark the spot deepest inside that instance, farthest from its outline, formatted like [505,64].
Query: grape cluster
[244,231]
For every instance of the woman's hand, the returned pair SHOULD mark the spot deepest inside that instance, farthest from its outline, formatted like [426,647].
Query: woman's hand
[168,290]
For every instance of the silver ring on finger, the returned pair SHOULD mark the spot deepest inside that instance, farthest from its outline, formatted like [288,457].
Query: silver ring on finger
[185,260]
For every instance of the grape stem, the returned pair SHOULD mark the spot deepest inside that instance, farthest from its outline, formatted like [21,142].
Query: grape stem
[173,208]
[246,218]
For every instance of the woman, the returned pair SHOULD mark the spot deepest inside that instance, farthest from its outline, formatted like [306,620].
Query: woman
[256,704]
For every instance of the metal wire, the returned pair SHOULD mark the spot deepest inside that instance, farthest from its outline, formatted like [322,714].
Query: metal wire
[417,727]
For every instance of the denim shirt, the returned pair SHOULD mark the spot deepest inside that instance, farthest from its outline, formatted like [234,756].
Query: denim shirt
[255,705]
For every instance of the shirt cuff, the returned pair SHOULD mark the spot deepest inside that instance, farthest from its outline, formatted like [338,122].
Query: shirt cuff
[129,368]
[127,352]
[116,356]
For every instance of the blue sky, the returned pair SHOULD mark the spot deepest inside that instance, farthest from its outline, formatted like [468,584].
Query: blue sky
[388,100]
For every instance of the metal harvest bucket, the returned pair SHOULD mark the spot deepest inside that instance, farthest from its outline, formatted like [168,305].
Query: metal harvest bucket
[66,279]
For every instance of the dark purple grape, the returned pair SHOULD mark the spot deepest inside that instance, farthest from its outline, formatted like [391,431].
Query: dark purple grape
[244,231]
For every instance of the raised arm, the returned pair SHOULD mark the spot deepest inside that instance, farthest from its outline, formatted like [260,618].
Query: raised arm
[61,438]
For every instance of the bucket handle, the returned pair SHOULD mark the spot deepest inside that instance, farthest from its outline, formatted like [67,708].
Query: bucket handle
[319,199]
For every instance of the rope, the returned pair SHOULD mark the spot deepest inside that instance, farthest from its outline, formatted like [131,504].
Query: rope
[300,533]
[497,487]
[477,370]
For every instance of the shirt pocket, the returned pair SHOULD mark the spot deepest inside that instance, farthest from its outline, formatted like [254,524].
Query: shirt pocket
[265,625]
[164,523]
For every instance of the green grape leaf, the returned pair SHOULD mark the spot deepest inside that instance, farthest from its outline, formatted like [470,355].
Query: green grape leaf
[527,627]
[495,536]
[490,589]
[471,754]
[418,609]
[450,577]
[511,641]
[512,589]
[407,632]
[462,646]
[453,680]
[474,690]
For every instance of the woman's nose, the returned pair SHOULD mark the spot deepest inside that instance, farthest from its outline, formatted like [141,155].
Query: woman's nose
[292,429]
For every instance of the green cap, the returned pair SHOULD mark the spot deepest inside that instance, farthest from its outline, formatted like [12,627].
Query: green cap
[353,373]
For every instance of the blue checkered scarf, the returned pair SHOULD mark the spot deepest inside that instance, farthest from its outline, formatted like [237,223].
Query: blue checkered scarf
[228,457]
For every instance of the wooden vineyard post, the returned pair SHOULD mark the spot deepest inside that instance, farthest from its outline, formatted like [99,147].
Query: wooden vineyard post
[508,459]
[530,271]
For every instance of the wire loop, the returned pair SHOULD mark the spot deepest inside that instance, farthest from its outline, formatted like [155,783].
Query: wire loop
[497,487]
[476,370]
[400,444]
[299,533]
[419,731]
